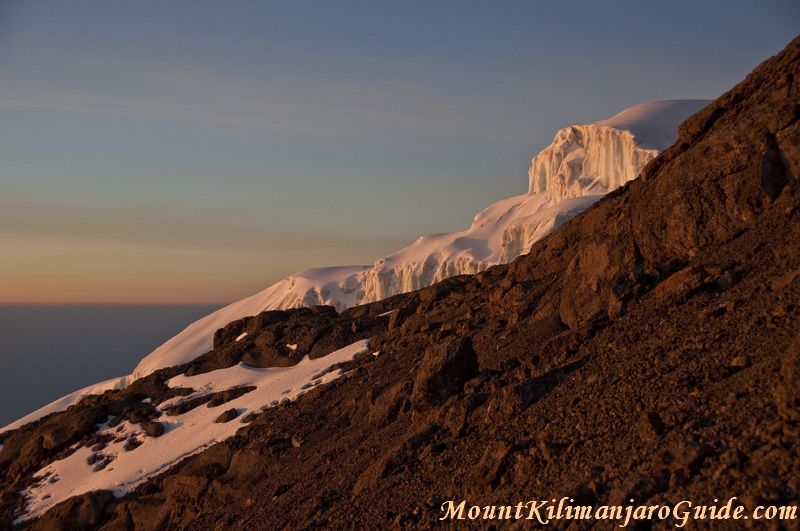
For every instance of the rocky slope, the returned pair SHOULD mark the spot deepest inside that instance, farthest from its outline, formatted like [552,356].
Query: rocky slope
[649,349]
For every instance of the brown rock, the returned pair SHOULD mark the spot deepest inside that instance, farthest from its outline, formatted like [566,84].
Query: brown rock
[153,428]
[786,390]
[681,283]
[132,444]
[384,409]
[492,464]
[227,416]
[269,356]
[650,427]
[54,436]
[80,512]
[444,369]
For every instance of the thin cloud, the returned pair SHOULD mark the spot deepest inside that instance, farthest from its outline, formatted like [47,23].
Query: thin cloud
[272,103]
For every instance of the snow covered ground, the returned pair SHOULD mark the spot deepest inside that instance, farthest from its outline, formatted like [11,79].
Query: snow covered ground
[184,435]
[583,163]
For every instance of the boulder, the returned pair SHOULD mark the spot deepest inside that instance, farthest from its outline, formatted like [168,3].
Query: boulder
[444,369]
[227,416]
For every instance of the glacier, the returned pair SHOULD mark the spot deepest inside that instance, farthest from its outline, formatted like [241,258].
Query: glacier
[580,165]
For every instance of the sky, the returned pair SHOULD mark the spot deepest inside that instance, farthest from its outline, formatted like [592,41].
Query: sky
[197,151]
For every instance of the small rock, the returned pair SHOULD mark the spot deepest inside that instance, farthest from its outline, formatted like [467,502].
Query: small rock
[444,369]
[132,444]
[681,283]
[490,468]
[227,416]
[54,436]
[781,282]
[455,419]
[724,281]
[650,426]
[548,449]
[385,407]
[297,440]
[250,417]
[723,308]
[153,428]
[684,459]
[280,490]
[786,392]
[739,362]
[394,319]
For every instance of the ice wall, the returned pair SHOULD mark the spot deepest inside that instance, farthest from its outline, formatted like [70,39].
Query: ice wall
[587,159]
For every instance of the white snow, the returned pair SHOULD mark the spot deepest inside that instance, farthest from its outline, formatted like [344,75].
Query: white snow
[654,124]
[581,164]
[185,434]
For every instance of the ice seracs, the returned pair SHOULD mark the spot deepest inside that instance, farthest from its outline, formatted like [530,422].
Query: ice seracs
[582,163]
[593,159]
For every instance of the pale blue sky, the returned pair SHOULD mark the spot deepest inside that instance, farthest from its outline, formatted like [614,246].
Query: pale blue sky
[198,151]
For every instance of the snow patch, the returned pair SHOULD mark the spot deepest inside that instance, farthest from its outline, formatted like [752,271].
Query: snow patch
[184,435]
